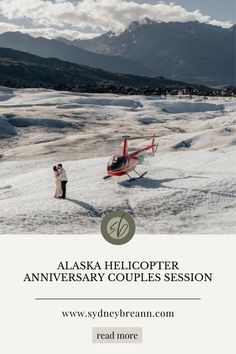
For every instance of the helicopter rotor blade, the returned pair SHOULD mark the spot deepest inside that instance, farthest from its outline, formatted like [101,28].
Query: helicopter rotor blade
[130,138]
[141,137]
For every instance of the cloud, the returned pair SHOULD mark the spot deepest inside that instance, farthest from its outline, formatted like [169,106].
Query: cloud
[50,32]
[47,32]
[8,27]
[94,16]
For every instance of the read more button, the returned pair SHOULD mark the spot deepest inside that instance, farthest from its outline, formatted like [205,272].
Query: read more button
[117,335]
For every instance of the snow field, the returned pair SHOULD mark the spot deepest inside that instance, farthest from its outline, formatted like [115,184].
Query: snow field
[191,182]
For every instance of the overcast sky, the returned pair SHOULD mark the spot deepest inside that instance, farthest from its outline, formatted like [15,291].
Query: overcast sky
[87,18]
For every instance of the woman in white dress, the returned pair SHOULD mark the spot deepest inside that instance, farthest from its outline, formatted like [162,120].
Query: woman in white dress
[58,191]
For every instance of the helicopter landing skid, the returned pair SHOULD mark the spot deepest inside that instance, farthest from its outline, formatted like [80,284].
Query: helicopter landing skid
[106,177]
[135,178]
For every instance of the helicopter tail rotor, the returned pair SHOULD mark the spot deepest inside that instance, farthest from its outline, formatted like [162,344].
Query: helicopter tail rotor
[154,144]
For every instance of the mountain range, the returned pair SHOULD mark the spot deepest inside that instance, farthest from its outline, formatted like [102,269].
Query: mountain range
[191,51]
[23,70]
[20,69]
[51,48]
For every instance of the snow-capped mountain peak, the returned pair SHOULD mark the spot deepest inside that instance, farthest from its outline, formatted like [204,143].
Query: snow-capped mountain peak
[188,51]
[138,23]
[148,21]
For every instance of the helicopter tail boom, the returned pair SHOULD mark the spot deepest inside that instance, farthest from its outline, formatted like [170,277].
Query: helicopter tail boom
[153,146]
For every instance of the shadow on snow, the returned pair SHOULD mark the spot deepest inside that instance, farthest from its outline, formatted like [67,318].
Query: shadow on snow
[85,206]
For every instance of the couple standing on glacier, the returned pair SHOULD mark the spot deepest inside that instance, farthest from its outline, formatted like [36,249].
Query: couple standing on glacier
[61,181]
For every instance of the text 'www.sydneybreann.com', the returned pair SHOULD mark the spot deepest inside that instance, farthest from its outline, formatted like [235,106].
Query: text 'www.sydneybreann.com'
[118,314]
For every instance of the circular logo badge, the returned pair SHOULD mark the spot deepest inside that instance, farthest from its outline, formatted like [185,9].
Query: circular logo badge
[118,227]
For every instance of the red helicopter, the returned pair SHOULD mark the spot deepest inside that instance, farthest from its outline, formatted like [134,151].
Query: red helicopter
[121,164]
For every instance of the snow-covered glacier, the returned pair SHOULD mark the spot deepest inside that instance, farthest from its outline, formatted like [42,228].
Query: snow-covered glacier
[191,182]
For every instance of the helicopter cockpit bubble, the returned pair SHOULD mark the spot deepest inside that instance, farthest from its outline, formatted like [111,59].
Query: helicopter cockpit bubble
[116,163]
